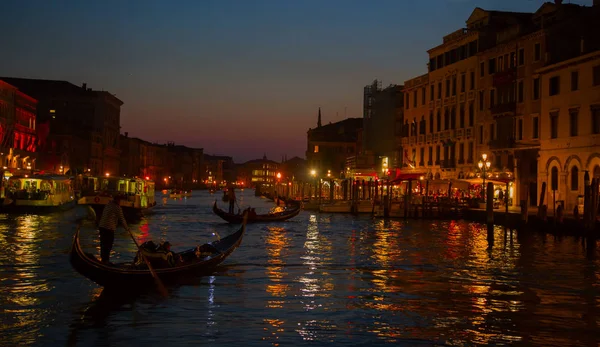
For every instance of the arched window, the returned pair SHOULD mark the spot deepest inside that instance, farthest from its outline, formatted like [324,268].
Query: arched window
[574,178]
[554,179]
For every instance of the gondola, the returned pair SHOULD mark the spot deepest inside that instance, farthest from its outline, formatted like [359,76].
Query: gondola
[259,218]
[198,261]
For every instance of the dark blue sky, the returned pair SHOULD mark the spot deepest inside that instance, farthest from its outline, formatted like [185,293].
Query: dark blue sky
[238,78]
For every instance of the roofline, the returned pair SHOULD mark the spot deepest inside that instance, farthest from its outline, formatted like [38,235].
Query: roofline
[580,59]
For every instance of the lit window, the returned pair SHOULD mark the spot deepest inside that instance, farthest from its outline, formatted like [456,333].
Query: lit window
[316,149]
[52,111]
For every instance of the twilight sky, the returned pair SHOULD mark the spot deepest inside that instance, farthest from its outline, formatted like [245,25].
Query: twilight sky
[235,77]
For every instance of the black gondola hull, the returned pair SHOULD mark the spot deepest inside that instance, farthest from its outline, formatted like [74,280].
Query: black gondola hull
[128,277]
[261,218]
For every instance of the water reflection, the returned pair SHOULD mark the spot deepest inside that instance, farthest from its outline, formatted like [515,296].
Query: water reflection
[324,279]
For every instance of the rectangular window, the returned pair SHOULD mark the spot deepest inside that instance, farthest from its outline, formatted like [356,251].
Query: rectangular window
[430,122]
[432,92]
[461,117]
[520,92]
[415,98]
[536,128]
[447,87]
[472,85]
[491,66]
[521,56]
[482,69]
[463,83]
[595,119]
[437,155]
[596,75]
[492,98]
[422,158]
[574,80]
[471,114]
[554,86]
[536,88]
[573,114]
[430,161]
[492,131]
[461,152]
[553,125]
[481,101]
[537,52]
[481,134]
[520,129]
[316,149]
[500,63]
[470,152]
[513,59]
[439,121]
[439,90]
[423,95]
[453,85]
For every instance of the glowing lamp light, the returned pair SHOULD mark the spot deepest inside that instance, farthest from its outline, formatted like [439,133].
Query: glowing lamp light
[484,156]
[147,177]
[480,164]
[278,175]
[107,174]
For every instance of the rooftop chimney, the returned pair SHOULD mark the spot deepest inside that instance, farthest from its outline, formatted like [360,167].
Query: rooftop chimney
[84,86]
[558,2]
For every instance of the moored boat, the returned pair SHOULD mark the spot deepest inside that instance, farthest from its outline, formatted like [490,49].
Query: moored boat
[38,193]
[201,260]
[137,194]
[284,214]
[178,194]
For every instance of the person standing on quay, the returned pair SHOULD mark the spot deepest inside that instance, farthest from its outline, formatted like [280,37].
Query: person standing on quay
[111,216]
[231,200]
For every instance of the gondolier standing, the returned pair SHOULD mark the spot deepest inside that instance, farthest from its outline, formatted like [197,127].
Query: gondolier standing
[111,216]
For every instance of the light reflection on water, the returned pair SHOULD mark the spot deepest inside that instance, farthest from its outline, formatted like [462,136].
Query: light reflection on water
[318,278]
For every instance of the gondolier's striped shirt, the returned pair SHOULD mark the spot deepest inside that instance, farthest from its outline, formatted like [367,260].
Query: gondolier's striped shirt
[111,216]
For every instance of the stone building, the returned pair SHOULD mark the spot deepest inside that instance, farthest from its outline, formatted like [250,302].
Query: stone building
[569,127]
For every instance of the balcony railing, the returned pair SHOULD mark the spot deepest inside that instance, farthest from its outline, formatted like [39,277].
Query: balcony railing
[448,163]
[503,108]
[504,77]
[460,133]
[502,143]
[421,138]
[469,132]
[405,140]
[429,137]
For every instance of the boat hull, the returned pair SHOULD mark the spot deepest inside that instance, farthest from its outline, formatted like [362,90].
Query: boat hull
[276,217]
[18,207]
[127,276]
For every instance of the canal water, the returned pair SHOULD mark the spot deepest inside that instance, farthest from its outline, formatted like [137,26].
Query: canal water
[318,279]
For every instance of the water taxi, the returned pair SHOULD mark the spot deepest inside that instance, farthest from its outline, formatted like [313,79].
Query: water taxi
[38,193]
[137,194]
[178,194]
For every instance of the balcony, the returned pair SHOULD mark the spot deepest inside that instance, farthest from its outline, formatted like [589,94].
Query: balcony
[438,103]
[436,137]
[413,140]
[502,143]
[431,104]
[471,94]
[448,164]
[503,108]
[462,97]
[460,133]
[504,77]
[421,138]
[405,140]
[429,137]
[469,132]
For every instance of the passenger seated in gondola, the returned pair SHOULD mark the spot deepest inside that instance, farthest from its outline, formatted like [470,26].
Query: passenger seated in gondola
[171,258]
[206,250]
[158,256]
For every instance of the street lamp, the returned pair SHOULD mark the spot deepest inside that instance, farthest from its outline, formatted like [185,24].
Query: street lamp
[484,165]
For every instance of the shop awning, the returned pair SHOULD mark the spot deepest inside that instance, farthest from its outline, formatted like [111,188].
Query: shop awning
[407,177]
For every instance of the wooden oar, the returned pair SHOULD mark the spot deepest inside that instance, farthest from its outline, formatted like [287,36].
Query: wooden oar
[161,287]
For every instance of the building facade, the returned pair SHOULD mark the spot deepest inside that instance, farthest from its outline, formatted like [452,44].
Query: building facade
[329,146]
[18,136]
[83,126]
[569,128]
[383,110]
